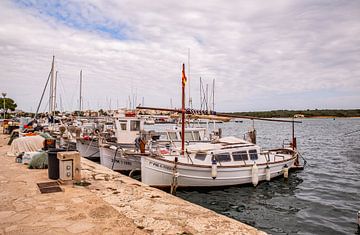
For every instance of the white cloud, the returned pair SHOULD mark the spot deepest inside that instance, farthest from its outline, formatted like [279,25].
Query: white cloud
[264,55]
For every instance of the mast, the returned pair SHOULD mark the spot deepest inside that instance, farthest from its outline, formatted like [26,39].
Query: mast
[183,79]
[55,87]
[80,98]
[188,80]
[201,94]
[52,86]
[213,95]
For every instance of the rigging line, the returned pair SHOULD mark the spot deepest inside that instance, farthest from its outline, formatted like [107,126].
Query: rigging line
[42,96]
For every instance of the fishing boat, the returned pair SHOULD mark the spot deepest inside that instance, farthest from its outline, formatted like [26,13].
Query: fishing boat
[228,161]
[221,162]
[124,154]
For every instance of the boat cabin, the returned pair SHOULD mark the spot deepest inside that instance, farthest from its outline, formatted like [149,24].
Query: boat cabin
[128,129]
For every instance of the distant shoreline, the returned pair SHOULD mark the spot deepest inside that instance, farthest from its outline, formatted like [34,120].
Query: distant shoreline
[325,113]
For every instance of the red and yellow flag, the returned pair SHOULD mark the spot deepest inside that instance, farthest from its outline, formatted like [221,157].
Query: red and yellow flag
[183,75]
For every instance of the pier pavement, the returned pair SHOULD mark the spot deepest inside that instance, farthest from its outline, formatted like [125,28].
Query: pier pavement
[112,204]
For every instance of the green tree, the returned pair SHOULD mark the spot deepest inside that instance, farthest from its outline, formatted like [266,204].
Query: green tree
[9,104]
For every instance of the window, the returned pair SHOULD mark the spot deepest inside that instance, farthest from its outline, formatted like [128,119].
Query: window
[200,156]
[172,136]
[223,157]
[188,136]
[135,126]
[240,156]
[196,135]
[122,125]
[253,154]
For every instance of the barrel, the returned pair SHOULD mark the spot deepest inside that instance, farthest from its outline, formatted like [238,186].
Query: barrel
[53,163]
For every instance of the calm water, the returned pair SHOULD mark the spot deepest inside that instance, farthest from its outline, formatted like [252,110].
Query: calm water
[322,199]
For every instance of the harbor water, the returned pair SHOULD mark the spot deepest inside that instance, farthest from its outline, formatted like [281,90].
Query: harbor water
[321,199]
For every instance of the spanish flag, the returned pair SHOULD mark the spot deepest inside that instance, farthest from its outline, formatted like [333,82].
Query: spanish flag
[183,75]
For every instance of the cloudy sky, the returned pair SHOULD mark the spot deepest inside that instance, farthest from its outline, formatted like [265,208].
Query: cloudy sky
[263,55]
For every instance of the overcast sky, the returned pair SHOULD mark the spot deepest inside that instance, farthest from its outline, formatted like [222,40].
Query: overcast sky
[263,55]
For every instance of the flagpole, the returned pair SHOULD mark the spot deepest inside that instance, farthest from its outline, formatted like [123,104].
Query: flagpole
[183,80]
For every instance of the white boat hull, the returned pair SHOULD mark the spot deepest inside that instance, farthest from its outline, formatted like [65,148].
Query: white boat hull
[88,149]
[159,173]
[122,163]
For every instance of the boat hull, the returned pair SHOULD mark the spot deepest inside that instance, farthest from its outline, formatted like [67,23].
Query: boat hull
[88,149]
[159,173]
[122,163]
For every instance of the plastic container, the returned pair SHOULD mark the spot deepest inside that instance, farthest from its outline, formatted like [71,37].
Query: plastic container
[53,163]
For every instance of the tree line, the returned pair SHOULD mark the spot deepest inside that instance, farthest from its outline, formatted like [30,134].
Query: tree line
[307,113]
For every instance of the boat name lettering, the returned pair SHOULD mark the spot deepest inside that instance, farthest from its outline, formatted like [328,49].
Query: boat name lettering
[122,162]
[159,165]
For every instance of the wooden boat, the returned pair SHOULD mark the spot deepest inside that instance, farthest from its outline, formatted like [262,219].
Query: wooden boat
[228,161]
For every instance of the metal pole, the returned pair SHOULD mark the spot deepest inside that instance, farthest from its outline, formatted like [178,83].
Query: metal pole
[183,115]
[4,95]
[80,98]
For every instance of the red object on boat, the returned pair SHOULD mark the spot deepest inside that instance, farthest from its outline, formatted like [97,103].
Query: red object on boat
[86,137]
[130,114]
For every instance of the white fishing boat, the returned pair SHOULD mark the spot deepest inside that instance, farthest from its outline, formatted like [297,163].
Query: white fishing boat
[221,162]
[119,159]
[124,154]
[228,161]
[88,147]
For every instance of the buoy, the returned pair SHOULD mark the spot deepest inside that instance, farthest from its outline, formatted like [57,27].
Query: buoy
[267,173]
[286,172]
[254,173]
[213,169]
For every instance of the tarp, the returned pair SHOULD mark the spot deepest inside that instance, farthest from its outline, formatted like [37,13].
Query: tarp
[26,144]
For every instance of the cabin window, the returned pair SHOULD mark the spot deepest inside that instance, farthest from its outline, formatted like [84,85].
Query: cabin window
[223,157]
[196,136]
[122,125]
[188,136]
[240,156]
[200,156]
[134,125]
[172,136]
[253,154]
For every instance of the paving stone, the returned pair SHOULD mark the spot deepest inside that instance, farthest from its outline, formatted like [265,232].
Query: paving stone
[60,208]
[77,200]
[5,214]
[80,227]
[11,228]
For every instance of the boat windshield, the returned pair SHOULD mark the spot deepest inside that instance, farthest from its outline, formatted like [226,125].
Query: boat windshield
[223,157]
[200,156]
[240,156]
[253,154]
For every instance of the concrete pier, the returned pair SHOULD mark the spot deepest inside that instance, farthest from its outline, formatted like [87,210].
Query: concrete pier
[112,204]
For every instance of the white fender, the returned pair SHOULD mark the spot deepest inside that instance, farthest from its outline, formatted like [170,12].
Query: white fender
[254,174]
[286,172]
[267,173]
[214,169]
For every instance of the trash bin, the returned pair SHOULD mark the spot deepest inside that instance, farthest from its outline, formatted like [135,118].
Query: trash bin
[53,163]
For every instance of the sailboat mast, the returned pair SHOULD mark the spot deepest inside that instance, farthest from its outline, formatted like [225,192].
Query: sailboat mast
[213,95]
[54,93]
[52,86]
[80,99]
[188,79]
